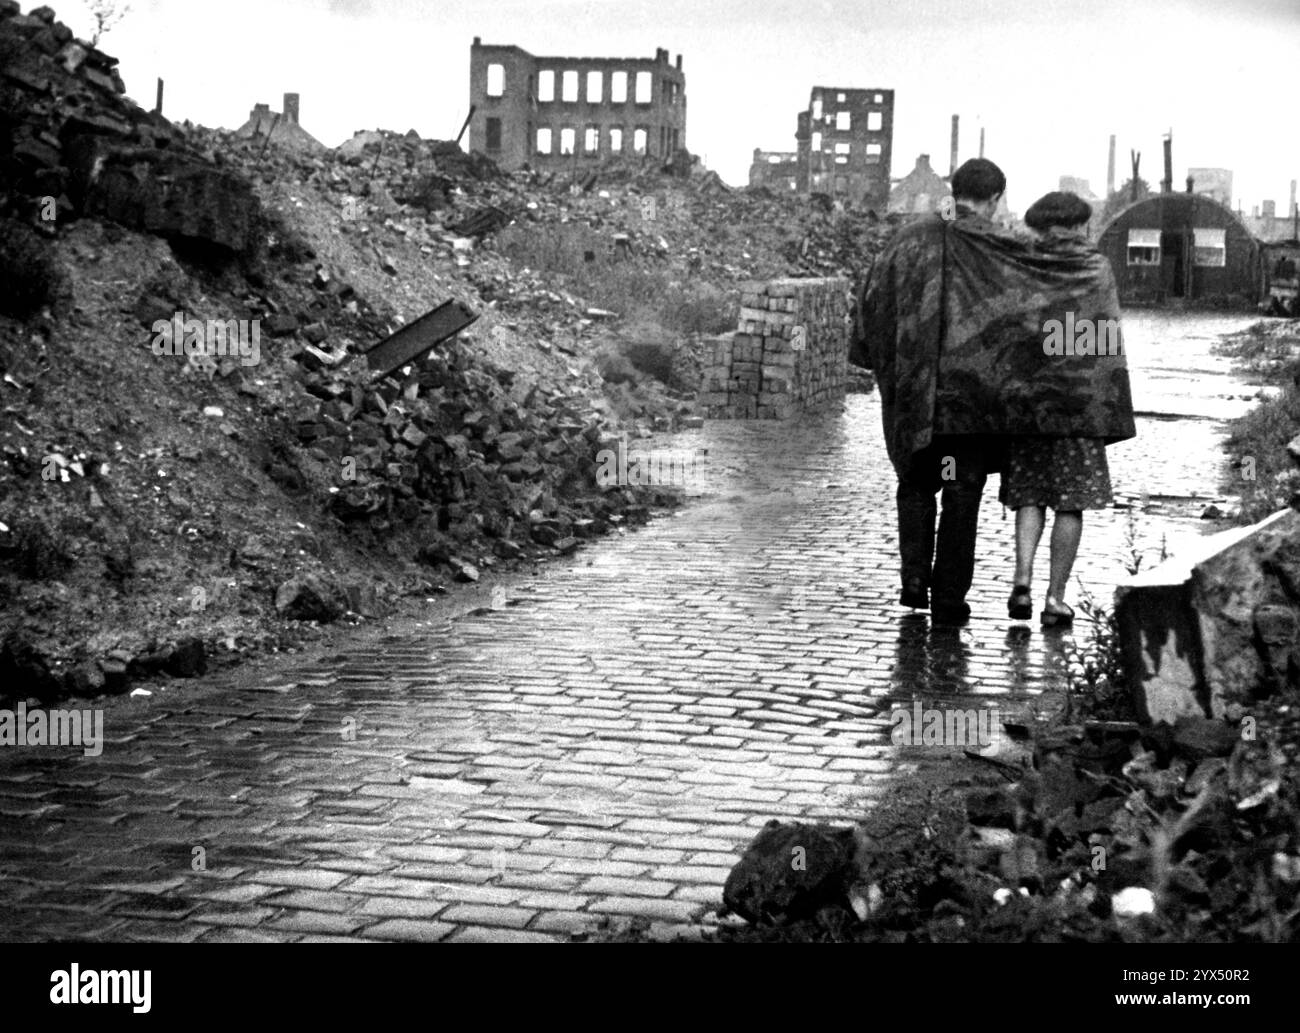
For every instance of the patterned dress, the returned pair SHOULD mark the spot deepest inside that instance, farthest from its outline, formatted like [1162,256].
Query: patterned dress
[1060,473]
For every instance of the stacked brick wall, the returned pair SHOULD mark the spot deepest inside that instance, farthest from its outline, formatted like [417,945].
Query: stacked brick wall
[789,354]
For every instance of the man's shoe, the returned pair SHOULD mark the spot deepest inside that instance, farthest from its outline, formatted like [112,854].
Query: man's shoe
[915,594]
[950,613]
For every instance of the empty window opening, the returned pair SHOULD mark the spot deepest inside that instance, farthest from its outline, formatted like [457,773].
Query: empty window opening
[644,87]
[544,141]
[545,86]
[616,141]
[873,152]
[618,87]
[842,148]
[570,87]
[567,138]
[875,121]
[493,135]
[839,98]
[880,98]
[496,80]
[639,141]
[817,141]
[817,108]
[591,140]
[595,87]
[842,121]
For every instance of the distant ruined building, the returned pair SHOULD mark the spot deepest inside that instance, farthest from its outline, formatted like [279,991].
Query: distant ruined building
[776,170]
[561,112]
[920,191]
[282,127]
[843,148]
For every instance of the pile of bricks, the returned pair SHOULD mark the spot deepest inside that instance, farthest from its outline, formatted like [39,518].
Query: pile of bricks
[80,147]
[788,355]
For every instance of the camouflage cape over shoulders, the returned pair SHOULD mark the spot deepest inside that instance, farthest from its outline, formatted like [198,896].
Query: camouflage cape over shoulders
[953,319]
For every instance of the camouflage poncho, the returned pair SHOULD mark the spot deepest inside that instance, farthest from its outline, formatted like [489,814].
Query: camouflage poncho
[956,321]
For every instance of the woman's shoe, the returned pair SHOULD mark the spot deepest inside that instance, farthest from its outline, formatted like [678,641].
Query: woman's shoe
[1060,617]
[1020,607]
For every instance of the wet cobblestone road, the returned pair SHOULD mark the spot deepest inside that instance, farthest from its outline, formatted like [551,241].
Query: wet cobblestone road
[600,745]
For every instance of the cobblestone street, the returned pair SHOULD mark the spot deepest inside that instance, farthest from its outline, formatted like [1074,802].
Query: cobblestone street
[602,744]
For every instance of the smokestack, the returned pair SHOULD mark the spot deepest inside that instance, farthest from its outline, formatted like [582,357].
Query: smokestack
[953,160]
[291,108]
[981,141]
[1110,168]
[157,110]
[1167,184]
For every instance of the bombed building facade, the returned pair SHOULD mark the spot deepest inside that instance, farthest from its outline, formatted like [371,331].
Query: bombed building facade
[845,145]
[776,170]
[550,112]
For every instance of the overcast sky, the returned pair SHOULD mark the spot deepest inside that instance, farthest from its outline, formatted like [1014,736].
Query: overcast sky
[1049,80]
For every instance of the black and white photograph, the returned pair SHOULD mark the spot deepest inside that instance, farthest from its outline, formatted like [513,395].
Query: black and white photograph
[611,471]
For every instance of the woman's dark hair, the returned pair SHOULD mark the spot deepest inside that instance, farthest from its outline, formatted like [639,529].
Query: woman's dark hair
[1058,209]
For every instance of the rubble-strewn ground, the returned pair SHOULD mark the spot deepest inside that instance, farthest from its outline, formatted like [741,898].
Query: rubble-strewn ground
[1264,471]
[154,509]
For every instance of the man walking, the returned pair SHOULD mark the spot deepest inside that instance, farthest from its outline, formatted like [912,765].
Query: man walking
[900,327]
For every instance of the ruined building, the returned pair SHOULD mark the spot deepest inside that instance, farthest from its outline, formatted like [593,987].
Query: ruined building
[920,191]
[551,112]
[282,126]
[776,170]
[844,145]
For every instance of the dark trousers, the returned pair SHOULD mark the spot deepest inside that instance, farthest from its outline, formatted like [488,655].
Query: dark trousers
[959,467]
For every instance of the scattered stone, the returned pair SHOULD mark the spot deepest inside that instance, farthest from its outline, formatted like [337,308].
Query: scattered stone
[309,597]
[790,872]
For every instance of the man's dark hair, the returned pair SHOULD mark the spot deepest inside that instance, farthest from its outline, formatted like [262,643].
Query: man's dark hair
[979,180]
[1059,208]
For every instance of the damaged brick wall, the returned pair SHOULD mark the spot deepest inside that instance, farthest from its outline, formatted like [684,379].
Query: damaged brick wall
[78,146]
[789,354]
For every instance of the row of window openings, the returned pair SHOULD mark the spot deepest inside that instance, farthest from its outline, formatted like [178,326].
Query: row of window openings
[844,121]
[591,140]
[844,150]
[618,83]
[879,98]
[1209,247]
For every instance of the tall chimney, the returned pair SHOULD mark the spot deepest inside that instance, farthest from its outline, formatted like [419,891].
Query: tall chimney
[1167,184]
[981,141]
[291,108]
[1110,168]
[953,161]
[157,110]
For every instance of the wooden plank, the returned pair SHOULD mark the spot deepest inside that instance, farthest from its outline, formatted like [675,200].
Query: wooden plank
[419,336]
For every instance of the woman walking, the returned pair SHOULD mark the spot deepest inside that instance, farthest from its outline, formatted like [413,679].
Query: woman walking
[1065,474]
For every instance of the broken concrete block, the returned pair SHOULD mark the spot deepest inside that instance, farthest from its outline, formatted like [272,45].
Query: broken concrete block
[1190,639]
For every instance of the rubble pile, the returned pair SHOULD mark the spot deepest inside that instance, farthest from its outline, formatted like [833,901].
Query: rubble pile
[789,355]
[351,493]
[80,147]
